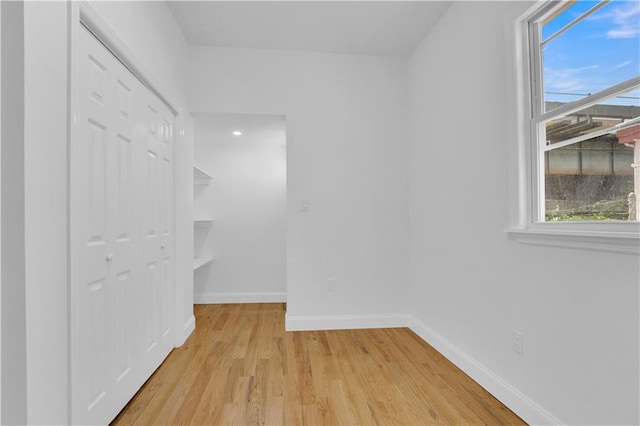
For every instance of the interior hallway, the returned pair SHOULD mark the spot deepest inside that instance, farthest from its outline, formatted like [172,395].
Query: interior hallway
[240,367]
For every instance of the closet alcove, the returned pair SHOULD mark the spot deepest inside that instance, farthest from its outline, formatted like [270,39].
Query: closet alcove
[240,190]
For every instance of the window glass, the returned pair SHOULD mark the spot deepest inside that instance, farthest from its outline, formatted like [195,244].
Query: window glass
[589,181]
[606,114]
[564,16]
[598,52]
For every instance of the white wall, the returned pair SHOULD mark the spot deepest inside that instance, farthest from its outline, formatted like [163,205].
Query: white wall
[0,215]
[14,384]
[346,133]
[152,33]
[149,30]
[185,320]
[248,200]
[578,310]
[45,163]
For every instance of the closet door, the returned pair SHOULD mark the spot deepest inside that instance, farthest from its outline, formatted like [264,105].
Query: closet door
[157,235]
[115,294]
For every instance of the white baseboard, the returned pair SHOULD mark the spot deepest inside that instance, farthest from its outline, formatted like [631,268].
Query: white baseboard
[186,331]
[344,322]
[216,298]
[519,403]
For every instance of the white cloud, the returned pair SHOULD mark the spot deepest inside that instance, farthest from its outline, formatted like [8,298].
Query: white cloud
[623,33]
[620,65]
[567,79]
[626,20]
[585,80]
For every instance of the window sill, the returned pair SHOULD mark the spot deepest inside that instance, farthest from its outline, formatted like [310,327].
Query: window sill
[624,241]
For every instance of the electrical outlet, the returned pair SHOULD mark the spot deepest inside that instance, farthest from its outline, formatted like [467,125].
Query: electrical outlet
[331,285]
[517,343]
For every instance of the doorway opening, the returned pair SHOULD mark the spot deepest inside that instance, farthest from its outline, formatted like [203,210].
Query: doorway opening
[240,214]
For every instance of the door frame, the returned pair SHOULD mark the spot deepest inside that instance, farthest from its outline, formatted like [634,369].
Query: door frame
[82,14]
[0,215]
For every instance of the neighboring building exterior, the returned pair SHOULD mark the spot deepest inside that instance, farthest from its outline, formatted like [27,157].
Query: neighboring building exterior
[631,137]
[592,179]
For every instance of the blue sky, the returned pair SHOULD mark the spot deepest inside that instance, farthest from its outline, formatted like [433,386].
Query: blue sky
[598,52]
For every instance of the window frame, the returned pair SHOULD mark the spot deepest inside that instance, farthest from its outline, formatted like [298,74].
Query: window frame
[526,170]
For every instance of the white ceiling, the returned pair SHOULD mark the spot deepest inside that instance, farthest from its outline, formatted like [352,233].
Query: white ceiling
[386,28]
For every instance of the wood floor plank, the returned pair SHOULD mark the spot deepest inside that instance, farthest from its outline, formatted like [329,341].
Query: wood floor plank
[241,367]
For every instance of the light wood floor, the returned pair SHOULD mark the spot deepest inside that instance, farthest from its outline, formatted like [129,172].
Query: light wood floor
[241,367]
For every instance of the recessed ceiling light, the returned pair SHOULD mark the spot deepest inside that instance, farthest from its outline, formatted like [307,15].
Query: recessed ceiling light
[237,133]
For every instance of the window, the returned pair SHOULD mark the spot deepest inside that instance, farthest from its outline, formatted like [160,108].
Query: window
[581,110]
[585,89]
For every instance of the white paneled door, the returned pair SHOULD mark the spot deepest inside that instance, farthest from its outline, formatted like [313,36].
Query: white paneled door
[157,231]
[121,234]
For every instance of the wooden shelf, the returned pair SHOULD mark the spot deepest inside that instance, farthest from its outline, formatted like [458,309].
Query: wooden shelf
[200,177]
[199,262]
[202,222]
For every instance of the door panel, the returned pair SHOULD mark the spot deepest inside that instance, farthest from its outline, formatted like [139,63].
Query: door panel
[96,164]
[121,235]
[157,252]
[91,284]
[123,344]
